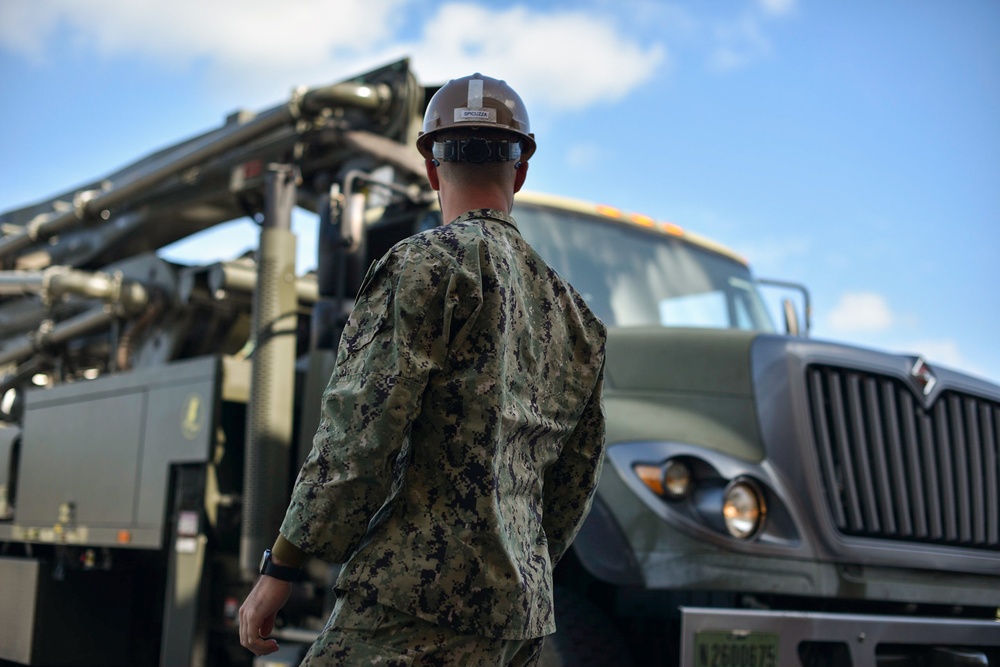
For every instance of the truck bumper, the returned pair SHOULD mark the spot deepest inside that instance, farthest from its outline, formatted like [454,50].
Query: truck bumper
[759,638]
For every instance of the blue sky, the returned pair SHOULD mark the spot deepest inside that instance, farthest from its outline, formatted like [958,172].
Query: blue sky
[853,146]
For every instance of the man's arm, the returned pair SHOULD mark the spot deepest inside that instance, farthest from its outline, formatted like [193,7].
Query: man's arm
[392,344]
[570,483]
[259,611]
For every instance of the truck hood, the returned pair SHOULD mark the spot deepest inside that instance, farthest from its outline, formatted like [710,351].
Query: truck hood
[682,385]
[700,361]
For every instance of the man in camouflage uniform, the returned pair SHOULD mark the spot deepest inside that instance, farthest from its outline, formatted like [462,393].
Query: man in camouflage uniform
[462,432]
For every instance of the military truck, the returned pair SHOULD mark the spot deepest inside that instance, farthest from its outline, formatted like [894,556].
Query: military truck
[767,499]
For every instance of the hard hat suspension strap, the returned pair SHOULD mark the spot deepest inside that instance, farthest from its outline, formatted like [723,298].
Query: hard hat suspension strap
[476,150]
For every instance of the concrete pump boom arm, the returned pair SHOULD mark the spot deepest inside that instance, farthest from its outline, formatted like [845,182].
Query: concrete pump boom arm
[188,187]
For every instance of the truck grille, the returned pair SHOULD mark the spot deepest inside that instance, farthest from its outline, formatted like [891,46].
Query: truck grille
[893,469]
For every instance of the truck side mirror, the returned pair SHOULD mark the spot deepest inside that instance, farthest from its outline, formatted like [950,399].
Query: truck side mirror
[791,317]
[788,307]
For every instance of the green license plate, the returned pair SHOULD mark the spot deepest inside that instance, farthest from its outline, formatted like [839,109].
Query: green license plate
[735,649]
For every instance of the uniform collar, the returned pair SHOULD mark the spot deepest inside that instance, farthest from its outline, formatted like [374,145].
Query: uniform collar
[490,213]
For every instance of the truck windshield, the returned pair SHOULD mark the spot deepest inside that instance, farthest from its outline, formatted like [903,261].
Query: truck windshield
[633,277]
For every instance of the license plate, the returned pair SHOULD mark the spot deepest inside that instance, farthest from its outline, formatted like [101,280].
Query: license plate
[735,649]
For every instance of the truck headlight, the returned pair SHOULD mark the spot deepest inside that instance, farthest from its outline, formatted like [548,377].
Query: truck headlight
[743,508]
[677,480]
[671,480]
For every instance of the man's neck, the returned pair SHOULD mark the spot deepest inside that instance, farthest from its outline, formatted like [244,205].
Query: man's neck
[462,202]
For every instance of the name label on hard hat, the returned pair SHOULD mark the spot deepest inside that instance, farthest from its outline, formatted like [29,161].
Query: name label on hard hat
[482,114]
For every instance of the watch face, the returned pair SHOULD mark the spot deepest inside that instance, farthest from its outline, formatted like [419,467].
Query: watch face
[264,559]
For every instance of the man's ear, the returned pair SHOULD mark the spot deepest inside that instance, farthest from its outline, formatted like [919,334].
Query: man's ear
[432,174]
[520,173]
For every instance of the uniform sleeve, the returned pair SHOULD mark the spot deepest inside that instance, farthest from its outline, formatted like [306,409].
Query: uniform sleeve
[571,482]
[391,345]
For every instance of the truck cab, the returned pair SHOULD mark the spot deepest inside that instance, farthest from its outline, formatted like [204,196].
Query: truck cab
[768,498]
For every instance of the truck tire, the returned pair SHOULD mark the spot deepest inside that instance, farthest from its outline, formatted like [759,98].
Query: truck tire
[586,636]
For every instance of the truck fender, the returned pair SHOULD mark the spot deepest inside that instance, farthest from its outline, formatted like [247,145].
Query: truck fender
[601,548]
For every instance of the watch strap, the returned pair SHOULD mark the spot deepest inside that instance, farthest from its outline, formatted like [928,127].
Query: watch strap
[272,569]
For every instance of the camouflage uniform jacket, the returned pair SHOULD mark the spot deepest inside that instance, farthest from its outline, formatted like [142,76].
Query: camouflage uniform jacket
[462,432]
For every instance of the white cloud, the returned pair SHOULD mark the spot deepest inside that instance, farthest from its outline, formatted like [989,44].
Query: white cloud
[253,51]
[778,7]
[25,26]
[583,156]
[229,31]
[771,254]
[737,44]
[861,312]
[564,59]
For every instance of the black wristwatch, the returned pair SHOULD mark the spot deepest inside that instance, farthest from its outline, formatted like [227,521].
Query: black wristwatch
[272,569]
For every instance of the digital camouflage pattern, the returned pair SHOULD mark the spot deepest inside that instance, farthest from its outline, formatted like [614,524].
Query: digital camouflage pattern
[462,433]
[360,632]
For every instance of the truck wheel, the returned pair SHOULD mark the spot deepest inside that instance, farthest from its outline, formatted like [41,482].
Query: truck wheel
[586,636]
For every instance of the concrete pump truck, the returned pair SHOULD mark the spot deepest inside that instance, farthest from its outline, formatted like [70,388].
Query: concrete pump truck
[768,499]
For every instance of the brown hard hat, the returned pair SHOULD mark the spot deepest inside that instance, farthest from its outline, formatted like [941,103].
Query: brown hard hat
[476,101]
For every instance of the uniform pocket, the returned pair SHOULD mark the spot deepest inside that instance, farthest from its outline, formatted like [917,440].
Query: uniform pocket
[361,632]
[371,316]
[355,614]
